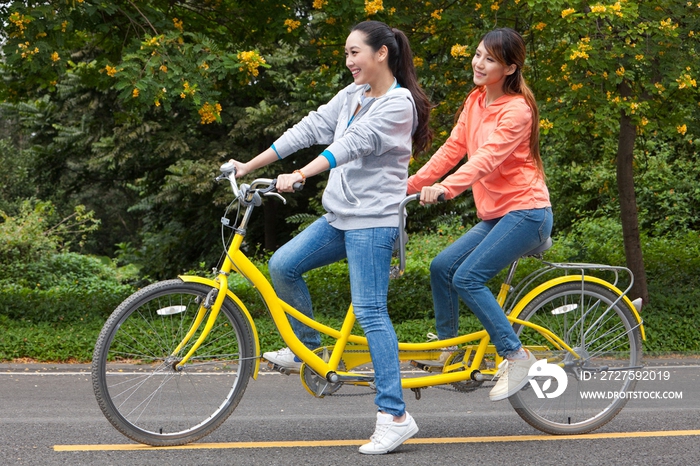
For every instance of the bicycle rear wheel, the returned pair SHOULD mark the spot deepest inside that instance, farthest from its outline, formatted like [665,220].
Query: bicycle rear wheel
[604,333]
[133,369]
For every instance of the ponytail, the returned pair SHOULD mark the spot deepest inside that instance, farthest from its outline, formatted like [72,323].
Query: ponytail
[405,73]
[401,65]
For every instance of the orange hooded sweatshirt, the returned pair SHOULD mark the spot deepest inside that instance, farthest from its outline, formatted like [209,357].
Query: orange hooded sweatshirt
[499,169]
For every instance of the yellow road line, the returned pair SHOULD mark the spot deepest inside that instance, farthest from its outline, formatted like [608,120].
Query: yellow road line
[341,443]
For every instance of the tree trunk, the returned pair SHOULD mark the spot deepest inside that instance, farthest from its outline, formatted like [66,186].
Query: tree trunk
[628,202]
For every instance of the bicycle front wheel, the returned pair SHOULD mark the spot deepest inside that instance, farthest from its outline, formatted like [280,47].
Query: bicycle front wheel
[605,335]
[134,377]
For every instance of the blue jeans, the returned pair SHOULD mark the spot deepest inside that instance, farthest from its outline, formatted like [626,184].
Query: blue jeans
[464,267]
[368,252]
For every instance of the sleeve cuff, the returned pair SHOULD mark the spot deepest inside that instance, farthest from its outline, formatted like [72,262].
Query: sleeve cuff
[275,149]
[330,157]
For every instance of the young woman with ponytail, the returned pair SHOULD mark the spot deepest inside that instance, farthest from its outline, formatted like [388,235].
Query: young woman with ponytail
[497,129]
[371,129]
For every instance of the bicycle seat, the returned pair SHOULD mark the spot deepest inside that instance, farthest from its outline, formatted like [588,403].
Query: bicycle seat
[540,249]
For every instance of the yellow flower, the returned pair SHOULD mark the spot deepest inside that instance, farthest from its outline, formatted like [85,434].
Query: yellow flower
[251,61]
[582,50]
[372,7]
[178,24]
[540,26]
[576,87]
[135,93]
[209,113]
[495,6]
[567,12]
[187,89]
[682,129]
[318,4]
[685,80]
[437,14]
[55,57]
[459,51]
[667,25]
[111,71]
[546,125]
[598,9]
[163,68]
[291,24]
[418,62]
[20,22]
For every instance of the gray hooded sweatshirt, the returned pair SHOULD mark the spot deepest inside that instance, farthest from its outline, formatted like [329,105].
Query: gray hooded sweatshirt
[368,154]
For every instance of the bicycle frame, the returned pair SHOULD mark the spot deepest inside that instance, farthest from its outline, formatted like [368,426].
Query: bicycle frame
[352,348]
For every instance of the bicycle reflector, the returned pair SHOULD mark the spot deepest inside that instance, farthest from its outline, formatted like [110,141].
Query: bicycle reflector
[170,310]
[564,309]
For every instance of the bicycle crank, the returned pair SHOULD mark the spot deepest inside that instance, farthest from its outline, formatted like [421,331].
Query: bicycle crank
[315,384]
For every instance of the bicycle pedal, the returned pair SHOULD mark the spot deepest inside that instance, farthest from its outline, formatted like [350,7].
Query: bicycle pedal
[282,369]
[428,366]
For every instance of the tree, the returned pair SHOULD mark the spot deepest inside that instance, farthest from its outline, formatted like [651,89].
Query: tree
[617,73]
[142,100]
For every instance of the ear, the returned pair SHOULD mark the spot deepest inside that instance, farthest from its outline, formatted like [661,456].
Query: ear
[511,69]
[382,53]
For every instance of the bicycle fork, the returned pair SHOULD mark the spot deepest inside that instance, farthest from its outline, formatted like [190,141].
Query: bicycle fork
[218,295]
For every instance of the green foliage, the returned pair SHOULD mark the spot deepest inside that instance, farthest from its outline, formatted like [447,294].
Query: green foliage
[63,287]
[113,106]
[59,318]
[38,230]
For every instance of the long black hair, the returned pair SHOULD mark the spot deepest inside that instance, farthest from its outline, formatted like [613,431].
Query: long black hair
[401,65]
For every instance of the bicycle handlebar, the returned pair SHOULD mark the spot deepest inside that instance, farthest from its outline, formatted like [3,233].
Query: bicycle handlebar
[264,186]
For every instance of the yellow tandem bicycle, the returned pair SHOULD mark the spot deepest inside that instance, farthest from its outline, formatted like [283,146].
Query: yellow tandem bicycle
[174,359]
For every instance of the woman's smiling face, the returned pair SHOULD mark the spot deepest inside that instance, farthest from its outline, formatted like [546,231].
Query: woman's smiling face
[488,71]
[361,60]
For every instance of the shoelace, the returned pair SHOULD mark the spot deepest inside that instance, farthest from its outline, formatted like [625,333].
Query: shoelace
[379,432]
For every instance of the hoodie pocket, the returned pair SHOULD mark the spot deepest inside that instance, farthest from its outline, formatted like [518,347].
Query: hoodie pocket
[347,193]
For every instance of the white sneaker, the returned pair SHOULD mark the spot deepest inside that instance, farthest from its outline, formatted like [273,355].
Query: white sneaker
[389,434]
[283,358]
[513,377]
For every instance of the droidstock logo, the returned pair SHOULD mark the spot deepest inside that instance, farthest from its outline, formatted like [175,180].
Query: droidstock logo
[543,369]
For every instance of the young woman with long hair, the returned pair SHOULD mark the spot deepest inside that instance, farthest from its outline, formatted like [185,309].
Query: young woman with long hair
[371,128]
[497,129]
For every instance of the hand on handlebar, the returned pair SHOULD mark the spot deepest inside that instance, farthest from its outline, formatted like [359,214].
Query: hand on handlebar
[241,168]
[286,183]
[432,194]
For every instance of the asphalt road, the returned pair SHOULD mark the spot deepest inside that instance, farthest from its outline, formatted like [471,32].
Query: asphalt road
[48,416]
